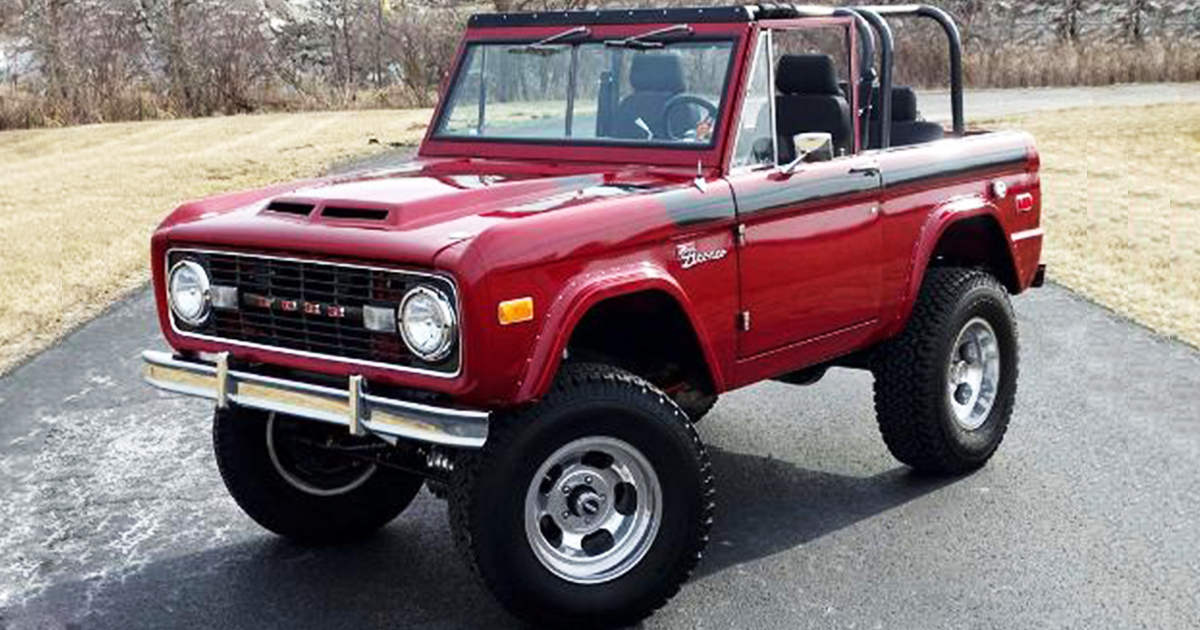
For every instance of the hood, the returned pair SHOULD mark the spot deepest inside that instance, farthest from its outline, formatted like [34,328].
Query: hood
[407,214]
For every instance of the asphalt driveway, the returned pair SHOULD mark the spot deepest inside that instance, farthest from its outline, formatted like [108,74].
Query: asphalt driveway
[1089,516]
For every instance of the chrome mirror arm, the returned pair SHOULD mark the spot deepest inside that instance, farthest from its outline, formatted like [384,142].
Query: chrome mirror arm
[791,167]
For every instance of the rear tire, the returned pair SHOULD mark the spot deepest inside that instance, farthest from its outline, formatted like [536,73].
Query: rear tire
[298,492]
[606,445]
[945,387]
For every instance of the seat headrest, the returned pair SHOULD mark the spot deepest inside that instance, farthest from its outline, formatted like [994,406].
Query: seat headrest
[807,74]
[904,103]
[657,73]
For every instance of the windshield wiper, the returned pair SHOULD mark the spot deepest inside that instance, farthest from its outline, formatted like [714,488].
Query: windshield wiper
[545,47]
[639,41]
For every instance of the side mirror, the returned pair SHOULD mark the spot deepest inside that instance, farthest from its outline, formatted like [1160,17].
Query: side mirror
[810,147]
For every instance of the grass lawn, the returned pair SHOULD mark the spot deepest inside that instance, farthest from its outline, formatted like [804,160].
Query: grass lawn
[1122,209]
[77,205]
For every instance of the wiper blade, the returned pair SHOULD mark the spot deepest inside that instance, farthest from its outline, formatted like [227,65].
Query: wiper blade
[546,46]
[640,41]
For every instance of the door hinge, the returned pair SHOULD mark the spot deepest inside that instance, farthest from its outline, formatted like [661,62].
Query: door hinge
[740,233]
[744,320]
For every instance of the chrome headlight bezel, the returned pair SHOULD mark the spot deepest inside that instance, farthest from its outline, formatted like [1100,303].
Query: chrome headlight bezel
[205,286]
[444,309]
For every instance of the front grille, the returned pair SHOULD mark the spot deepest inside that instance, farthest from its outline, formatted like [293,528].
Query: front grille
[324,304]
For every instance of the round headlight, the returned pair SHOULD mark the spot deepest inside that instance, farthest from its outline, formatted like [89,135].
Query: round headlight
[427,323]
[189,292]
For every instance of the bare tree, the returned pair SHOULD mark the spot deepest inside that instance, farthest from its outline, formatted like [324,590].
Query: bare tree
[1067,24]
[44,26]
[1134,21]
[421,46]
[339,19]
[167,25]
[10,17]
[98,60]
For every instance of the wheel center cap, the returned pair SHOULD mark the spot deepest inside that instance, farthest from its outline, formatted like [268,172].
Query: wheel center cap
[587,503]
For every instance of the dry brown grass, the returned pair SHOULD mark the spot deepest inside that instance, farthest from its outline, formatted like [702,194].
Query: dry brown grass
[1122,209]
[77,205]
[1010,65]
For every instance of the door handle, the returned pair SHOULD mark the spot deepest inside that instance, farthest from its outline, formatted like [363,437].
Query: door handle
[870,170]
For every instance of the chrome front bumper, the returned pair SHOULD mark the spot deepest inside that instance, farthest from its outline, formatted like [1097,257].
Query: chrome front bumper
[361,413]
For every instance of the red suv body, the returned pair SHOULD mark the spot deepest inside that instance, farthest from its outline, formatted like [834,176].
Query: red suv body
[817,266]
[614,215]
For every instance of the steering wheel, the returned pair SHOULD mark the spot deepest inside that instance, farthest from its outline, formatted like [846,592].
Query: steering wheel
[681,100]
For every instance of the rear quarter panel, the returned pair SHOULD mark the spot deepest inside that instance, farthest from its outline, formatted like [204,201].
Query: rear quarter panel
[927,188]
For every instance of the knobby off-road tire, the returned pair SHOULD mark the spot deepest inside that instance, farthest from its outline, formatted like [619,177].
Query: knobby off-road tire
[296,494]
[696,404]
[597,425]
[924,379]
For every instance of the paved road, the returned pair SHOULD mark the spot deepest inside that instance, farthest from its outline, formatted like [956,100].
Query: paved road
[114,516]
[985,104]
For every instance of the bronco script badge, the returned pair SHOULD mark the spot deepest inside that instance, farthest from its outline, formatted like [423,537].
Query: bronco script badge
[689,256]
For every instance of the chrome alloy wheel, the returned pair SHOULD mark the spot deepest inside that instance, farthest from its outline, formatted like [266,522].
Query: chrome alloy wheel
[973,374]
[315,473]
[592,510]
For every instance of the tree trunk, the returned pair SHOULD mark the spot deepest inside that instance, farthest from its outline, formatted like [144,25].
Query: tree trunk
[181,89]
[55,64]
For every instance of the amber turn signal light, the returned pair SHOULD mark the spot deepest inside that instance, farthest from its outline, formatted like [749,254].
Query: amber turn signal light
[516,311]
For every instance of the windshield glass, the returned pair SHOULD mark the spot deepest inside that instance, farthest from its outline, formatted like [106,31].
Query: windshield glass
[589,92]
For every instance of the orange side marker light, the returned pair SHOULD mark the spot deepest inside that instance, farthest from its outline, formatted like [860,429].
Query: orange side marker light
[516,311]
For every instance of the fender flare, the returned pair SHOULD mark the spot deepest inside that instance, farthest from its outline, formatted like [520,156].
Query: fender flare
[580,295]
[941,219]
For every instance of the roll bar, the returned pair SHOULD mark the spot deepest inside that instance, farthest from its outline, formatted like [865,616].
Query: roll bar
[873,16]
[867,74]
[955,42]
[886,52]
[866,42]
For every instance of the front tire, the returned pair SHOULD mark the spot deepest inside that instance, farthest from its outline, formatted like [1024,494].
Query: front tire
[281,480]
[589,509]
[945,387]
[695,403]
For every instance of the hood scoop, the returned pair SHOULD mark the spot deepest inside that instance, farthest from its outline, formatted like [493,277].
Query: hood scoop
[292,208]
[342,213]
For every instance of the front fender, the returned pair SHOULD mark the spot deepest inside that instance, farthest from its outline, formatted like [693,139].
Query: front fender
[585,291]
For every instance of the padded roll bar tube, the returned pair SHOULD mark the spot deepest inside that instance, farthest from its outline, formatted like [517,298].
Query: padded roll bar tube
[955,40]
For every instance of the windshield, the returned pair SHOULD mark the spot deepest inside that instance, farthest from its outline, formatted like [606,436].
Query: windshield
[671,93]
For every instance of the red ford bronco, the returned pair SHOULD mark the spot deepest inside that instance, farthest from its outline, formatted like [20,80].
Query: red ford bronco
[614,217]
